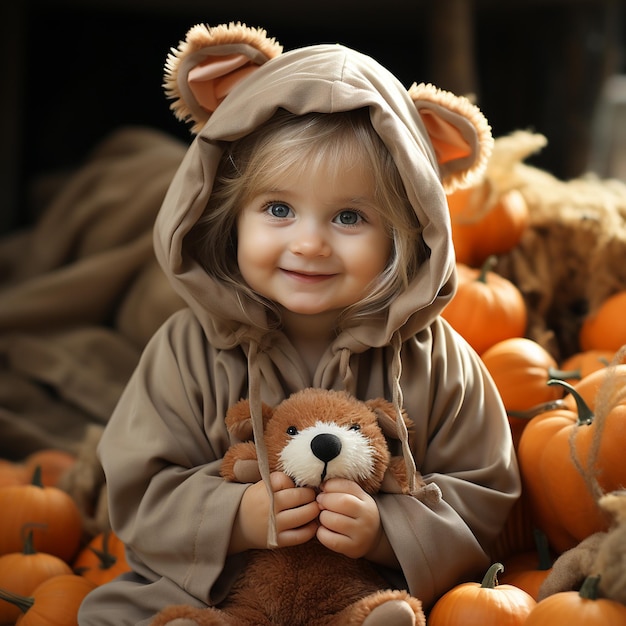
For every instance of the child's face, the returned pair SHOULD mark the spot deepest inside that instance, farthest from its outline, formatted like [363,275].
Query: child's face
[315,242]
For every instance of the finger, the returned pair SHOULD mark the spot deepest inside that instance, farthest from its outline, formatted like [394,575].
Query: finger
[297,517]
[337,523]
[336,542]
[343,503]
[297,536]
[280,481]
[342,485]
[293,498]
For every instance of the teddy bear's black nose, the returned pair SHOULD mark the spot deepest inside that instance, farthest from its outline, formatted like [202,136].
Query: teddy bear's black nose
[326,446]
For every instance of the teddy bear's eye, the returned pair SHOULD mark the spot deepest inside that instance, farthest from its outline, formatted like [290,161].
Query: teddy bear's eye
[355,427]
[292,431]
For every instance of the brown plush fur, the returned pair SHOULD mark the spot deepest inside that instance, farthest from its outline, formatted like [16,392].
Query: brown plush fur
[602,554]
[309,584]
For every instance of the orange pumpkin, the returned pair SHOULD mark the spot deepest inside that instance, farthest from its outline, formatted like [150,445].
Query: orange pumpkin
[487,308]
[52,513]
[578,608]
[562,502]
[487,604]
[21,572]
[55,602]
[53,463]
[605,329]
[479,230]
[583,363]
[521,369]
[102,559]
[528,570]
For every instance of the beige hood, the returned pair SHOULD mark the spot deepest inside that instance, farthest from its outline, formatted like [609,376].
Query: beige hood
[432,135]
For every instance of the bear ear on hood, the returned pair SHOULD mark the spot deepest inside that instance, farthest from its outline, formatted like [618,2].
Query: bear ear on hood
[458,131]
[210,61]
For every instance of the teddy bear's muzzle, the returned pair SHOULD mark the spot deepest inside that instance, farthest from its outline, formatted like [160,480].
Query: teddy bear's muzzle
[326,447]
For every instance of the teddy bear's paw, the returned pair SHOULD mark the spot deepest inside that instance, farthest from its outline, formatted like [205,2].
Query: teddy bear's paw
[396,612]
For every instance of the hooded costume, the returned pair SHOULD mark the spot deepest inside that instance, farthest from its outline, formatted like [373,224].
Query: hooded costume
[163,446]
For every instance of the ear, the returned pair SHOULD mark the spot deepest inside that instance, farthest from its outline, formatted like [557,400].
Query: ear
[204,68]
[386,415]
[458,131]
[239,421]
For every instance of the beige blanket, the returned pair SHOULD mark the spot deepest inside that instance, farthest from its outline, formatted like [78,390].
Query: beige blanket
[80,294]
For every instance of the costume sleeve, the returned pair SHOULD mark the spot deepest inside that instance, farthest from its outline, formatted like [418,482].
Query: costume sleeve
[462,443]
[161,453]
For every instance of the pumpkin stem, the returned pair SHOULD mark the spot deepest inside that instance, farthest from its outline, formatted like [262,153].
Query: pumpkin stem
[107,560]
[29,548]
[543,550]
[589,588]
[36,479]
[487,266]
[585,414]
[491,577]
[23,603]
[555,372]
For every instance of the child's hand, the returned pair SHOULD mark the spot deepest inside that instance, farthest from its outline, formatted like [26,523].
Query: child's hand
[349,519]
[296,515]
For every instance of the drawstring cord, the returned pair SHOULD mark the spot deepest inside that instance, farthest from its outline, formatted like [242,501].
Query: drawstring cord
[398,402]
[256,414]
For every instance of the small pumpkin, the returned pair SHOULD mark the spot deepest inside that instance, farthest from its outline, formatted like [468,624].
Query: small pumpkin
[555,459]
[52,513]
[102,559]
[53,463]
[54,602]
[585,362]
[21,572]
[578,608]
[487,308]
[487,604]
[528,570]
[521,369]
[605,329]
[483,225]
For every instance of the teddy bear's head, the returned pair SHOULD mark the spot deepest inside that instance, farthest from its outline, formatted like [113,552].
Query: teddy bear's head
[316,434]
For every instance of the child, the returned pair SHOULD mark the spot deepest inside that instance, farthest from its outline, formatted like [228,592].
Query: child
[307,229]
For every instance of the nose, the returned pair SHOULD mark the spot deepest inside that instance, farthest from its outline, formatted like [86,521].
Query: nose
[309,240]
[326,446]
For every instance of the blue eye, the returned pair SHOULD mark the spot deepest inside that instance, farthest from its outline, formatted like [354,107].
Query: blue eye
[349,218]
[277,209]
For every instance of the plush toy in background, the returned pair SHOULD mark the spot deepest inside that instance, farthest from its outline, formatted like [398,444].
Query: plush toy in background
[602,554]
[312,436]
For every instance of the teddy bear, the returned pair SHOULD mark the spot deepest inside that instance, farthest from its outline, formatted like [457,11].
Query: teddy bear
[312,435]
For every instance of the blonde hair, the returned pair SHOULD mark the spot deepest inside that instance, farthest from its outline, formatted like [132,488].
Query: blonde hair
[291,144]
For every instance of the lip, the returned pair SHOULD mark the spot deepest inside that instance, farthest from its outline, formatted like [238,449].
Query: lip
[307,277]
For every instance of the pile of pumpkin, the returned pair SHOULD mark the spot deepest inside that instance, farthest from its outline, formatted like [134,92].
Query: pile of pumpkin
[47,565]
[568,422]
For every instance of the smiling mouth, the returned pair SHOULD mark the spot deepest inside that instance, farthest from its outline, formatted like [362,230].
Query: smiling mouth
[306,277]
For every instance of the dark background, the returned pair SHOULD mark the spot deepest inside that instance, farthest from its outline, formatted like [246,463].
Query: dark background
[72,71]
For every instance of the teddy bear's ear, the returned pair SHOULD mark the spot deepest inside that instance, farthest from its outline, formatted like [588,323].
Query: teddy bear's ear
[200,73]
[458,131]
[239,420]
[386,414]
